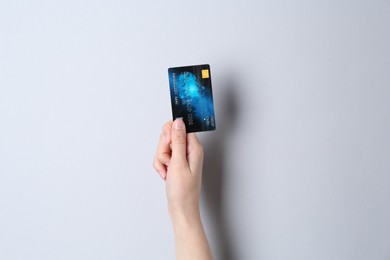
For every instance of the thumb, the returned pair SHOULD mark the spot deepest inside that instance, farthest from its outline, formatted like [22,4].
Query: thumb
[179,142]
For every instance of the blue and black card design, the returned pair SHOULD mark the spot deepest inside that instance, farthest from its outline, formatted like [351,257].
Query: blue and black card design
[192,97]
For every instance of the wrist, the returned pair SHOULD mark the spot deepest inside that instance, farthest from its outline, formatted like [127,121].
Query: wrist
[183,214]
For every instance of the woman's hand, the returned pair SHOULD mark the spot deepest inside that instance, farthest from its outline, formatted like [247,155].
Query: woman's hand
[179,161]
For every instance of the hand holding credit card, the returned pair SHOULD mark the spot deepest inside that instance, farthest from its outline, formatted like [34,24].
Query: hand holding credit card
[192,97]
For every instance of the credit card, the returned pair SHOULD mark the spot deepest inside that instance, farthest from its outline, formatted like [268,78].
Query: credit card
[192,97]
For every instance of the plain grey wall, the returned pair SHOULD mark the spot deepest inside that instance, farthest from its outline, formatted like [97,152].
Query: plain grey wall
[299,167]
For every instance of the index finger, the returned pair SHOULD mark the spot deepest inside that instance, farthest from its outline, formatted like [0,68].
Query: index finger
[163,148]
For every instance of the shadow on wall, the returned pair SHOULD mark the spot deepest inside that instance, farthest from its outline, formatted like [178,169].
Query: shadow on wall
[214,168]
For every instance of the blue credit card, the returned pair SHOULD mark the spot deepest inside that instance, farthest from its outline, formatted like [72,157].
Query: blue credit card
[192,97]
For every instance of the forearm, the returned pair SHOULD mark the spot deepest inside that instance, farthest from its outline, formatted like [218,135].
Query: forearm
[190,238]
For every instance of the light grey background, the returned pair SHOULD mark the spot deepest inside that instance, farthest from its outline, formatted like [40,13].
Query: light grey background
[299,167]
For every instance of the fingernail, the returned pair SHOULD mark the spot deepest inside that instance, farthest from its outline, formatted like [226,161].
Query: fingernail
[161,175]
[179,123]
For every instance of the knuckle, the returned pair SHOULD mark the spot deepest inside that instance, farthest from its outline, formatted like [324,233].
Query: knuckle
[199,151]
[162,157]
[198,148]
[155,164]
[180,138]
[167,126]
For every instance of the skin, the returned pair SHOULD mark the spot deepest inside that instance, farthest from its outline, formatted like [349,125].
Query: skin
[179,161]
